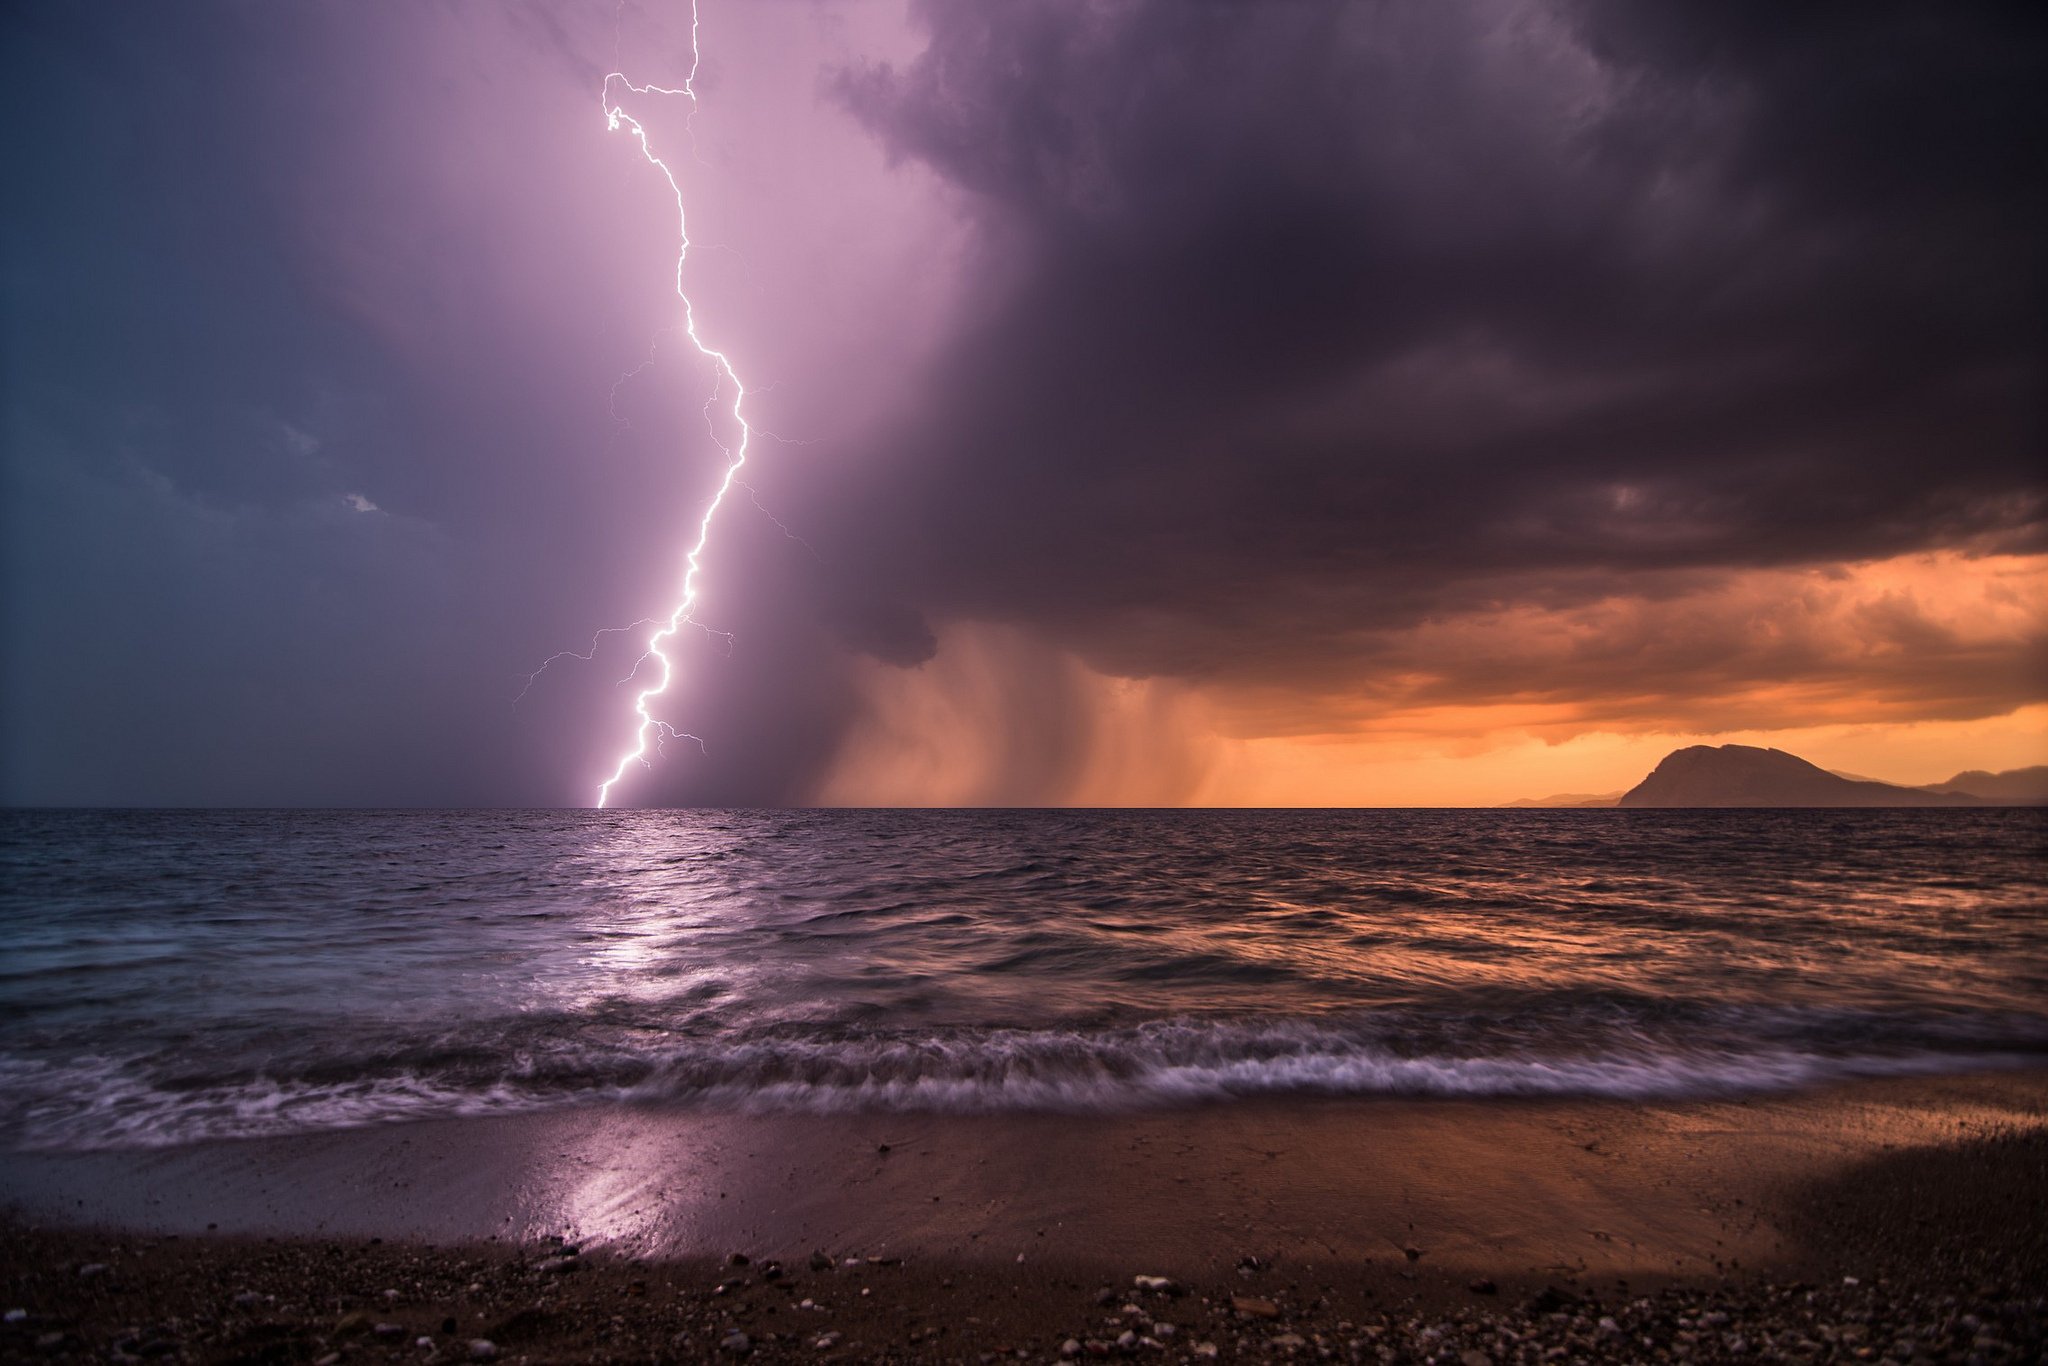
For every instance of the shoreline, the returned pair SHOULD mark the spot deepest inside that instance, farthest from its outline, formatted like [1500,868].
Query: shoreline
[1010,1227]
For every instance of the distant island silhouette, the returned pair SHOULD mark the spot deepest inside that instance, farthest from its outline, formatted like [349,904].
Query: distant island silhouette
[1746,775]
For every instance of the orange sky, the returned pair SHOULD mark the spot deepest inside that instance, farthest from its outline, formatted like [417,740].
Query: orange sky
[1908,670]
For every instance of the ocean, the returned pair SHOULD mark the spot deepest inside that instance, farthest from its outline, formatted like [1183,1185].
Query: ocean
[175,976]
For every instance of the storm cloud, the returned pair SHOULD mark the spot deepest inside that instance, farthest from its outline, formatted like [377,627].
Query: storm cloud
[1307,324]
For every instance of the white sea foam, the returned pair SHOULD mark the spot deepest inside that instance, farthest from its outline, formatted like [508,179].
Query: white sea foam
[105,1103]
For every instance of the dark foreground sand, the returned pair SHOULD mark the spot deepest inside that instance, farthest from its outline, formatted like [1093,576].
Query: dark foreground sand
[1896,1219]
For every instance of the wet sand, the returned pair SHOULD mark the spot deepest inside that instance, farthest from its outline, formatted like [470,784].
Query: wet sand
[1003,1230]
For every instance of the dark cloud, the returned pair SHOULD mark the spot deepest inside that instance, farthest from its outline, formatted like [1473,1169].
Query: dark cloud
[1302,325]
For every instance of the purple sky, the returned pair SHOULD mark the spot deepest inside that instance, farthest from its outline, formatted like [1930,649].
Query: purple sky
[1145,379]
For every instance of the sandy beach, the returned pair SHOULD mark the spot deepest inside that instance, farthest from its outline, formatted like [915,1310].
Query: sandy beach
[1357,1228]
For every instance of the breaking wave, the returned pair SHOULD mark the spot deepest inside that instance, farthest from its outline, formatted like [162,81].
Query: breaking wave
[110,1103]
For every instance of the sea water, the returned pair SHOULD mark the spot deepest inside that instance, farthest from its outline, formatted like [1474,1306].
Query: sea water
[168,976]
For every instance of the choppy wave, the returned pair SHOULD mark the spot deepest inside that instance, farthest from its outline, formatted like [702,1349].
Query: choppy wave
[114,1103]
[177,976]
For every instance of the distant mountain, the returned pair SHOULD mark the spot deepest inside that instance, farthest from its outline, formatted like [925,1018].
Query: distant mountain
[1743,775]
[2020,786]
[1568,799]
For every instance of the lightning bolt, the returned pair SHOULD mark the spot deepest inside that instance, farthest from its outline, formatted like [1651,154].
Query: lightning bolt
[650,731]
